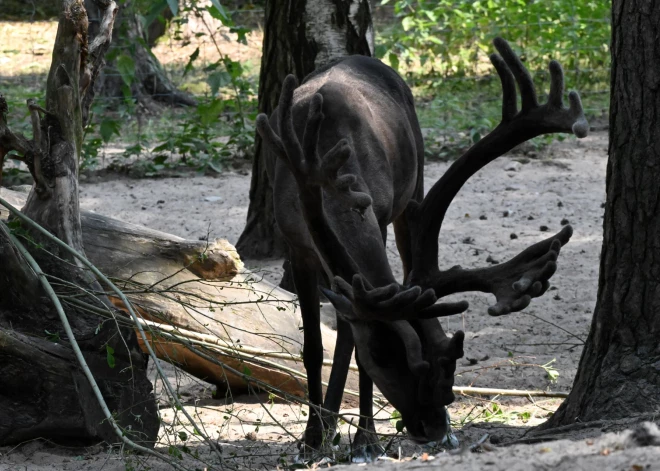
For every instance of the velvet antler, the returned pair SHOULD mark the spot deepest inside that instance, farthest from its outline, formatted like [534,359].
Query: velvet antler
[534,266]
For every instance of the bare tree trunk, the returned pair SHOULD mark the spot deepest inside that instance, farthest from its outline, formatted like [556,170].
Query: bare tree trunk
[619,372]
[27,316]
[299,37]
[151,86]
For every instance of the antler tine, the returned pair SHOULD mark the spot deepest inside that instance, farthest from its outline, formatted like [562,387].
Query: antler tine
[311,135]
[285,121]
[509,67]
[267,133]
[509,95]
[313,173]
[517,126]
[393,302]
[410,339]
[556,96]
[521,74]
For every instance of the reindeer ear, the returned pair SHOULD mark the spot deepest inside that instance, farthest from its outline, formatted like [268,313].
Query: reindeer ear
[341,303]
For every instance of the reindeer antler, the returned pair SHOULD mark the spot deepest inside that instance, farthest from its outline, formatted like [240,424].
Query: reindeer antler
[315,174]
[516,126]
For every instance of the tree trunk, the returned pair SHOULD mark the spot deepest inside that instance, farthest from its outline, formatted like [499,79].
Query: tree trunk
[28,315]
[299,37]
[619,371]
[151,87]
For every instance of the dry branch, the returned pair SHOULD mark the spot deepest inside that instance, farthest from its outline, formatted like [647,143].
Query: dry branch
[9,140]
[95,55]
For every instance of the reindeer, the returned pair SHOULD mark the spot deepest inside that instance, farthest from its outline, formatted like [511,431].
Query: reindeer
[346,159]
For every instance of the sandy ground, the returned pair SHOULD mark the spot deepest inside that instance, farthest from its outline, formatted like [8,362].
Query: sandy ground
[514,195]
[567,184]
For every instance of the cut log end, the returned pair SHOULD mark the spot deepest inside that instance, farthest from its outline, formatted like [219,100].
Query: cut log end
[216,261]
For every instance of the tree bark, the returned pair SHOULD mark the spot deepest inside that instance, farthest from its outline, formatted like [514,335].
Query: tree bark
[299,37]
[619,371]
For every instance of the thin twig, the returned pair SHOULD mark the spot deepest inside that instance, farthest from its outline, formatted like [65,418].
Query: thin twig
[580,339]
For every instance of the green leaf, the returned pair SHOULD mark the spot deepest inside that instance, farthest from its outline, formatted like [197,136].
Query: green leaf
[407,23]
[160,159]
[155,12]
[241,32]
[247,371]
[216,167]
[212,67]
[380,51]
[110,356]
[209,112]
[52,336]
[394,61]
[234,68]
[108,128]
[218,12]
[395,417]
[174,451]
[191,59]
[126,68]
[183,436]
[174,6]
[399,426]
[337,439]
[216,80]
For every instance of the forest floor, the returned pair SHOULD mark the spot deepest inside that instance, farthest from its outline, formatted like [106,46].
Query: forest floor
[511,204]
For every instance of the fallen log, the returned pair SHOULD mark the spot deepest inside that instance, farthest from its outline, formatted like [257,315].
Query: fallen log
[198,289]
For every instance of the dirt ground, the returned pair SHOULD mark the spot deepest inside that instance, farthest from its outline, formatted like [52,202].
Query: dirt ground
[514,202]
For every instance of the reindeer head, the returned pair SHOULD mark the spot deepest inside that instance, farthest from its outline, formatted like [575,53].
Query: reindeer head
[412,362]
[399,341]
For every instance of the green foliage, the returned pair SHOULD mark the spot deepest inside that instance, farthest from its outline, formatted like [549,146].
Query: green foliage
[203,137]
[126,68]
[442,48]
[53,336]
[396,421]
[446,38]
[551,372]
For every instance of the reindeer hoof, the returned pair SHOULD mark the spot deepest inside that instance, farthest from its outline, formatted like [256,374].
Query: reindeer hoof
[367,453]
[449,441]
[366,447]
